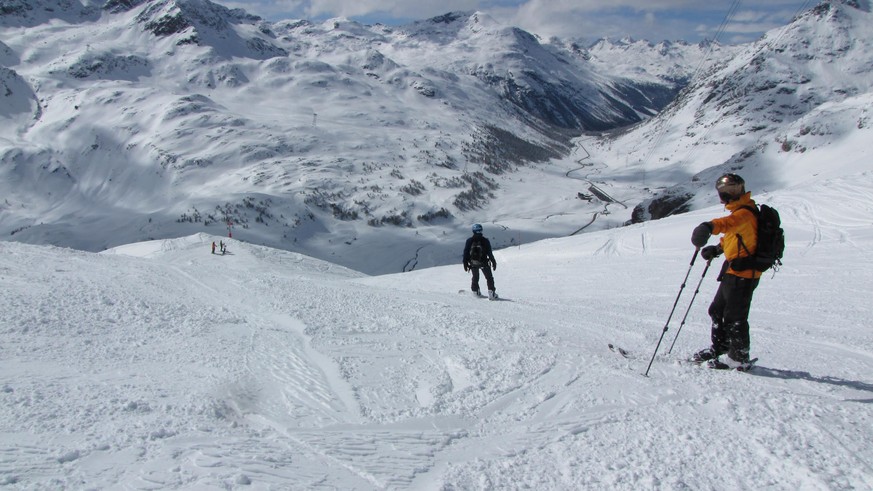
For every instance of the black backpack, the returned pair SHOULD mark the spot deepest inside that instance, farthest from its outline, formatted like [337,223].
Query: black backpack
[477,254]
[771,242]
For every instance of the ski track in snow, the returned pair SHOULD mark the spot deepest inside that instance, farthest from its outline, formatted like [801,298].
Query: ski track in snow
[264,369]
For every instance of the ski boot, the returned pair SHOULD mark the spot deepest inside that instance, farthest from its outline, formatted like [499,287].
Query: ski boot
[707,354]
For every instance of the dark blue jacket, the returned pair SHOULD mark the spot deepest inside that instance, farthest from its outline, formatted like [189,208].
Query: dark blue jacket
[486,249]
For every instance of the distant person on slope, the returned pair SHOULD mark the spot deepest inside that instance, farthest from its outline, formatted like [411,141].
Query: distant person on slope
[478,254]
[729,309]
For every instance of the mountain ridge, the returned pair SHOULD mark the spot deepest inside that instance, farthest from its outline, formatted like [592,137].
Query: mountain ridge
[333,138]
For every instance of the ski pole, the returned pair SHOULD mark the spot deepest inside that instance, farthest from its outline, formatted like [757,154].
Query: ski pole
[672,310]
[689,306]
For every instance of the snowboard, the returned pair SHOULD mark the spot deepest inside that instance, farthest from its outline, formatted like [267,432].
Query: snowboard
[479,295]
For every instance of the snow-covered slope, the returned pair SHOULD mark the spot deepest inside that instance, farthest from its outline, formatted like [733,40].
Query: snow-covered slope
[160,365]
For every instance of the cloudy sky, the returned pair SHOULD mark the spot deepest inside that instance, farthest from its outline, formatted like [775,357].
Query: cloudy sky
[655,20]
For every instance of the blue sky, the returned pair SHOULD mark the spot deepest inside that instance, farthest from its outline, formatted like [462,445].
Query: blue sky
[655,20]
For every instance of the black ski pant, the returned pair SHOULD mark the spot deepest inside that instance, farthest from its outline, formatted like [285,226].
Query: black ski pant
[489,278]
[729,311]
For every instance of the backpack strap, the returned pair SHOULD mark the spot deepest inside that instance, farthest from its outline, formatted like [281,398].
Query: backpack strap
[753,209]
[757,214]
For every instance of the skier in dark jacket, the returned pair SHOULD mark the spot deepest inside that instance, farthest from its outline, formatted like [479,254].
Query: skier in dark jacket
[478,254]
[730,307]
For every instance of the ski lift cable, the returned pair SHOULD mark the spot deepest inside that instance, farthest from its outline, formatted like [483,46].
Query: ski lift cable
[664,124]
[661,125]
[721,28]
[766,47]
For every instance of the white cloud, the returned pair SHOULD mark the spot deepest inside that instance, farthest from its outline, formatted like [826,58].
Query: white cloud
[395,8]
[270,9]
[690,20]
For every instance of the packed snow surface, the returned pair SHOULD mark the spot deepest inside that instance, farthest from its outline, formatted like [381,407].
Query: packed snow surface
[159,365]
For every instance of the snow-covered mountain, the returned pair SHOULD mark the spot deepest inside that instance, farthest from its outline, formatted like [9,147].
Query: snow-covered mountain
[129,120]
[791,97]
[142,119]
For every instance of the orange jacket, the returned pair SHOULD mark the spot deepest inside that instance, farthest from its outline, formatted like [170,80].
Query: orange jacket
[740,223]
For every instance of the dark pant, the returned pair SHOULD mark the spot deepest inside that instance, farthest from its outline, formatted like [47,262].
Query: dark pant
[729,311]
[489,278]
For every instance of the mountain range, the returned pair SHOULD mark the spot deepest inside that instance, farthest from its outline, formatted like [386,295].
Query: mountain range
[129,120]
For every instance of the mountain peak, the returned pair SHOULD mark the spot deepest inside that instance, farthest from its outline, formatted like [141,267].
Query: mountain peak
[204,23]
[450,26]
[167,17]
[833,9]
[118,6]
[449,18]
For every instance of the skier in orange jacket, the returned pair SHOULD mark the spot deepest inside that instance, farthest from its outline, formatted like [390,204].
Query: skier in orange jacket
[729,309]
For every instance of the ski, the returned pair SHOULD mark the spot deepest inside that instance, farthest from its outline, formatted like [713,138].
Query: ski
[718,365]
[616,349]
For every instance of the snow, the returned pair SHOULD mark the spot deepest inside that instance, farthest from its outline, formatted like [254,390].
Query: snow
[159,365]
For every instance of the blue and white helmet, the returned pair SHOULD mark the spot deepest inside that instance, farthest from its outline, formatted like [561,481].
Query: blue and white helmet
[477,228]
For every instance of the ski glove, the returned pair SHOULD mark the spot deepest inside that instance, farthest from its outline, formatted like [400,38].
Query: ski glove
[710,252]
[466,266]
[494,265]
[701,234]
